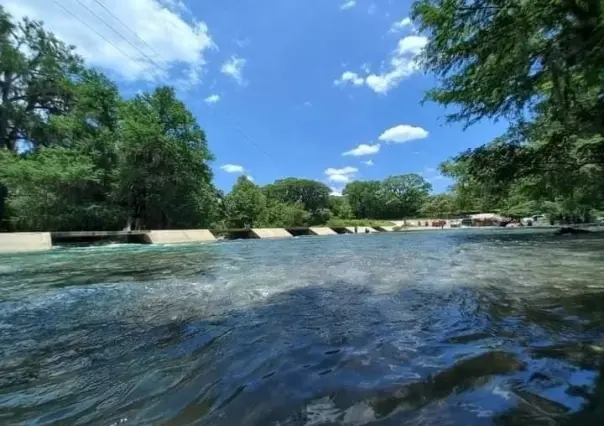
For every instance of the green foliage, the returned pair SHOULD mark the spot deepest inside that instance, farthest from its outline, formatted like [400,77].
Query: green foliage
[438,206]
[163,174]
[364,198]
[37,81]
[76,156]
[395,197]
[340,207]
[312,195]
[539,66]
[279,214]
[405,194]
[48,190]
[305,195]
[245,205]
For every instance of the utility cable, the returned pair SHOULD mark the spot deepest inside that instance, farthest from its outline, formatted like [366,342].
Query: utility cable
[153,62]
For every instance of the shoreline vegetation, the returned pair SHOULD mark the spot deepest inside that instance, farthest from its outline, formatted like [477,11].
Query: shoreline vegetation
[77,155]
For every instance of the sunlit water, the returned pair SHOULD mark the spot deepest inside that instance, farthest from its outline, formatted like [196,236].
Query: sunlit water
[453,327]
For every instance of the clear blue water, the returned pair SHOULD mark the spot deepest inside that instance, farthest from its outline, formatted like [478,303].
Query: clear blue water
[434,328]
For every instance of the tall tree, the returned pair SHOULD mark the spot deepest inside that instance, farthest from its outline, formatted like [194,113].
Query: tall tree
[85,133]
[405,194]
[340,207]
[163,173]
[537,64]
[36,81]
[365,198]
[311,194]
[45,188]
[245,204]
[438,206]
[284,215]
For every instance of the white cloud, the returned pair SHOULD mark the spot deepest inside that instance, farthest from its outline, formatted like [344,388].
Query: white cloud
[350,76]
[233,67]
[339,178]
[403,133]
[336,192]
[402,64]
[232,168]
[342,175]
[363,149]
[343,171]
[212,99]
[348,5]
[401,25]
[413,44]
[368,163]
[248,177]
[400,68]
[177,46]
[176,5]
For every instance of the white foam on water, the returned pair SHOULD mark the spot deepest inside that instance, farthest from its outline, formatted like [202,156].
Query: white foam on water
[321,411]
[252,273]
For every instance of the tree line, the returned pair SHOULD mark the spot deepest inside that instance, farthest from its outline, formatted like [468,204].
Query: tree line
[76,155]
[302,202]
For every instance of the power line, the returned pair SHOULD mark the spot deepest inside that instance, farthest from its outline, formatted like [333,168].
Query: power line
[95,31]
[128,28]
[235,126]
[117,32]
[242,133]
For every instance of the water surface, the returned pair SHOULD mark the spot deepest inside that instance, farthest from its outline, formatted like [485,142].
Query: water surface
[457,327]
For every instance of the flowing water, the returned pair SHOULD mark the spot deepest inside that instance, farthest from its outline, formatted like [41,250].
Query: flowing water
[432,328]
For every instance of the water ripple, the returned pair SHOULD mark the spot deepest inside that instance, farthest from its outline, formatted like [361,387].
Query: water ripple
[468,327]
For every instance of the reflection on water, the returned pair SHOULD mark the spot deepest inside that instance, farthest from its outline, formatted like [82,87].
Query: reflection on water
[460,327]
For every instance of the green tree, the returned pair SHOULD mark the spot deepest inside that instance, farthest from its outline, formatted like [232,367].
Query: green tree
[339,207]
[86,133]
[365,198]
[438,206]
[75,156]
[538,65]
[163,174]
[44,190]
[311,194]
[36,81]
[285,215]
[245,204]
[404,195]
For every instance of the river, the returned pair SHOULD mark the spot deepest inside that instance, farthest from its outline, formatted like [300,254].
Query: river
[460,327]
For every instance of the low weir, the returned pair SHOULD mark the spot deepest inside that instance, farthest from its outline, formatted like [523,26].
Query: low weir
[25,241]
[39,241]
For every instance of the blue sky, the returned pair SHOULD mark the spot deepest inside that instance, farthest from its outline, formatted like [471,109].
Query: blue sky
[281,87]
